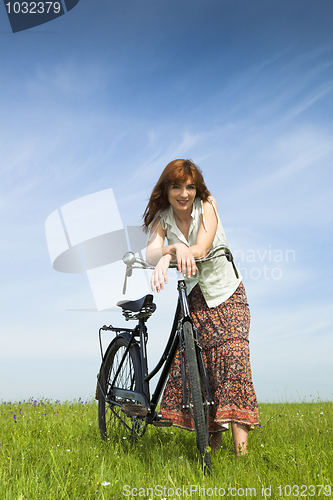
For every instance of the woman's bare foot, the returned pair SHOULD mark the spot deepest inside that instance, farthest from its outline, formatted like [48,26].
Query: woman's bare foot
[239,434]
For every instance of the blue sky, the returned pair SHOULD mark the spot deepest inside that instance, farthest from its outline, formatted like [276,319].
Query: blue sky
[107,95]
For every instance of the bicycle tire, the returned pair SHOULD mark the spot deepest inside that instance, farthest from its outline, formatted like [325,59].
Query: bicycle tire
[111,418]
[196,400]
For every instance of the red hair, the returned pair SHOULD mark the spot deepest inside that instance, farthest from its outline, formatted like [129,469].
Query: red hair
[176,172]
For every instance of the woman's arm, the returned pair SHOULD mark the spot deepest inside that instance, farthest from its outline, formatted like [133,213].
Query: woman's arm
[157,253]
[207,231]
[155,248]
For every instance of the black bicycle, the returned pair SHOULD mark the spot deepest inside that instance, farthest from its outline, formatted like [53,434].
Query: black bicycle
[123,381]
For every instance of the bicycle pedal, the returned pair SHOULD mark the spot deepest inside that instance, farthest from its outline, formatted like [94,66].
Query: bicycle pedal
[134,410]
[162,422]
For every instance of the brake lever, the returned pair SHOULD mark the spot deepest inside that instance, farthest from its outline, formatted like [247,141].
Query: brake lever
[129,259]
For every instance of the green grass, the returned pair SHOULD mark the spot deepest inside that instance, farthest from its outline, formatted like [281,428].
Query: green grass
[53,451]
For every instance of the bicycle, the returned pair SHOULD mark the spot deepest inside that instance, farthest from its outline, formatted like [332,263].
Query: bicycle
[123,381]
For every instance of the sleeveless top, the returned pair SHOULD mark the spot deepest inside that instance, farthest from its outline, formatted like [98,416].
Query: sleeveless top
[216,277]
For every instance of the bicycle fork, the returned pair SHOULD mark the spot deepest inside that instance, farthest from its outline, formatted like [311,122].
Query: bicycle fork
[186,316]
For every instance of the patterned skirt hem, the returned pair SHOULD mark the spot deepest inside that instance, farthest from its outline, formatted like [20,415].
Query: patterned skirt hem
[228,414]
[223,333]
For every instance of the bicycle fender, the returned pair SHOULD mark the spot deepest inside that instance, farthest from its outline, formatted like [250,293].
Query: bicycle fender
[127,337]
[124,335]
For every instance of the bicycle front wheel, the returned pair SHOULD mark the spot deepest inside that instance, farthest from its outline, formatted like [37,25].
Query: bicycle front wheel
[111,416]
[196,400]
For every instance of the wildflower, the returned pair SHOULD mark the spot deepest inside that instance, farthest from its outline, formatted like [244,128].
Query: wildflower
[105,483]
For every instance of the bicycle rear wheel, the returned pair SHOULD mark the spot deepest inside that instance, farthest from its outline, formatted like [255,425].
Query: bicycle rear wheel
[196,399]
[111,417]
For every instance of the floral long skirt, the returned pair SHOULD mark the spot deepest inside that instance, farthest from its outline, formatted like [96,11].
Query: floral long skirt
[224,338]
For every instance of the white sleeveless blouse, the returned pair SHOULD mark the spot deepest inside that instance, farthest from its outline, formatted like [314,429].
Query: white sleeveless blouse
[216,277]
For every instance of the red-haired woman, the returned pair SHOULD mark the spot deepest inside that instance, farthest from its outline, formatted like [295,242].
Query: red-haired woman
[182,211]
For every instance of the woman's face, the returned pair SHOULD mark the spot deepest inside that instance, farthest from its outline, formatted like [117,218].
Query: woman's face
[181,196]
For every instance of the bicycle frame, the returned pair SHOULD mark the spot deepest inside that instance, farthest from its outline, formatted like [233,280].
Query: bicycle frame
[175,339]
[182,314]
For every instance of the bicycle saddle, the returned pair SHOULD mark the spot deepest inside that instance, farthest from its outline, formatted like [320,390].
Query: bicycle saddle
[137,305]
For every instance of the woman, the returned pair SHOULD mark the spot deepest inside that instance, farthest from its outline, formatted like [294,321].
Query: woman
[182,211]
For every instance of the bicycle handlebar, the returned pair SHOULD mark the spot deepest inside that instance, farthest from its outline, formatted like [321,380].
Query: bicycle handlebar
[130,259]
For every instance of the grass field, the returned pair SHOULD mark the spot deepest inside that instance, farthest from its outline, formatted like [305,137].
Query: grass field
[53,451]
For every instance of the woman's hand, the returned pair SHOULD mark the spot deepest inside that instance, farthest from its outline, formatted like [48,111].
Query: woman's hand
[160,273]
[185,260]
